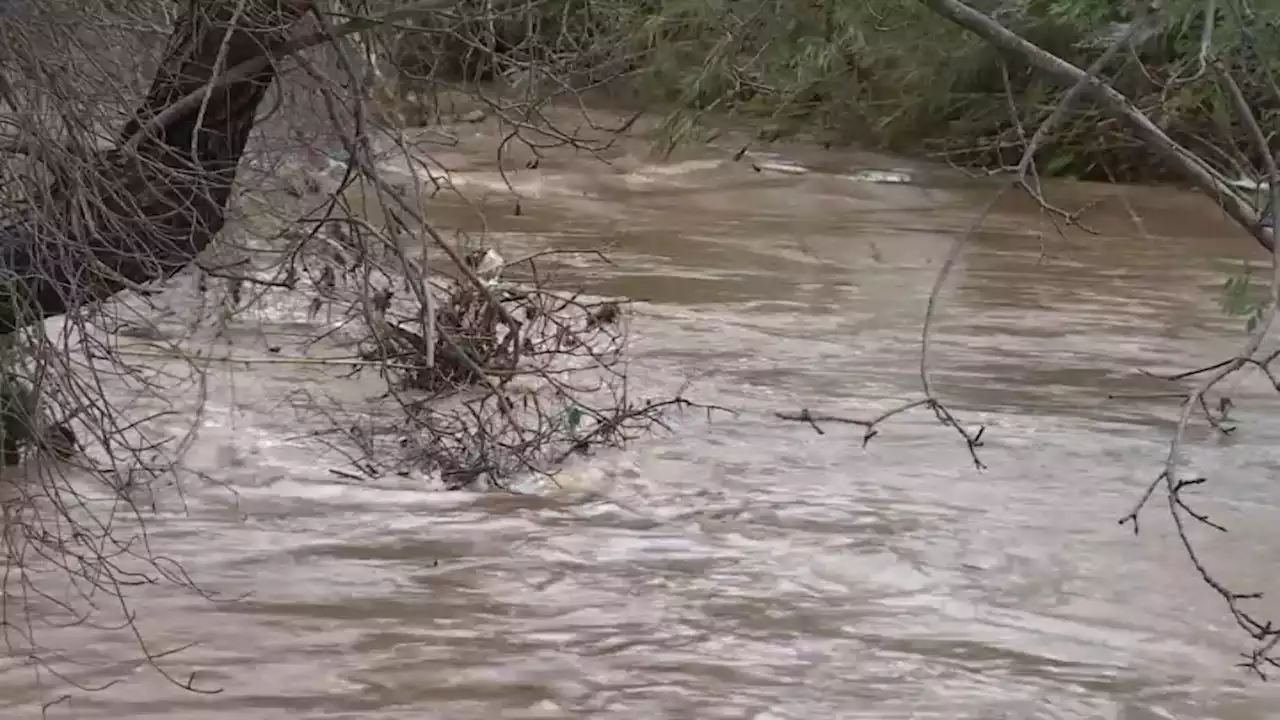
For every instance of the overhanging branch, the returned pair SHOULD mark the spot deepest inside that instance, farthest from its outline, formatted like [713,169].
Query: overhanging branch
[1114,103]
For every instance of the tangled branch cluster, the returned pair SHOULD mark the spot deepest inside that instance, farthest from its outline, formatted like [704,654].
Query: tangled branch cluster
[505,378]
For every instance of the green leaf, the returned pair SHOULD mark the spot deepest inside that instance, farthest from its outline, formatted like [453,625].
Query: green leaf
[1253,320]
[1237,294]
[1059,163]
[574,417]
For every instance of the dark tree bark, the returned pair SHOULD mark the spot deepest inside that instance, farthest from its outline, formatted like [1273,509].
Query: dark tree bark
[145,209]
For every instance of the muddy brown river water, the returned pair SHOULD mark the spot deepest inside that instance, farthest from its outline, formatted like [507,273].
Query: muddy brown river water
[748,567]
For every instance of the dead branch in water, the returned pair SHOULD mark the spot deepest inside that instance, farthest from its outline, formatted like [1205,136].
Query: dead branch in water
[487,377]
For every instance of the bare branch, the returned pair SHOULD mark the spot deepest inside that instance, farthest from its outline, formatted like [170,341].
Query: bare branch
[1197,172]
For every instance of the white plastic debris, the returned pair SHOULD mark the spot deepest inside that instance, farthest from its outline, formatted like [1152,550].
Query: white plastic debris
[889,177]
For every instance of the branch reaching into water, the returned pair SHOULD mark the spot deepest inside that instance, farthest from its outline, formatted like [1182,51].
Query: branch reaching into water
[1262,631]
[1023,177]
[1213,184]
[871,427]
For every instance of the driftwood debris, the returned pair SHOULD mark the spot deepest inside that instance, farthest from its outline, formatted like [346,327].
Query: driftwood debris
[144,209]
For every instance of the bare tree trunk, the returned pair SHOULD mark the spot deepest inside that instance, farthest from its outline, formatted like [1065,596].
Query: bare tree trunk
[144,210]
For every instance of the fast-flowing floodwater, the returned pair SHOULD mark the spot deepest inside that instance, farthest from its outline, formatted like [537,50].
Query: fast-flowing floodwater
[749,567]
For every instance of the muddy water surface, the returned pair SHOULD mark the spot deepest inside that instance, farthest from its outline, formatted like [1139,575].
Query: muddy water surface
[752,568]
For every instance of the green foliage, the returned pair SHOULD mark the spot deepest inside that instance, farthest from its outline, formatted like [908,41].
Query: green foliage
[18,396]
[1241,299]
[890,73]
[883,73]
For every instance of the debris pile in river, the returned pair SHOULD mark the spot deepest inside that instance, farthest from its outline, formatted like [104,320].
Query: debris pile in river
[515,379]
[493,369]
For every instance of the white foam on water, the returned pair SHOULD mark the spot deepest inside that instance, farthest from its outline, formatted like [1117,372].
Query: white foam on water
[333,491]
[521,183]
[655,173]
[524,183]
[426,173]
[892,177]
[786,168]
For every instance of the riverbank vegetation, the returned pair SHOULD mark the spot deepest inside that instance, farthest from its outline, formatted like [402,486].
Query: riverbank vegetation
[885,73]
[891,75]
